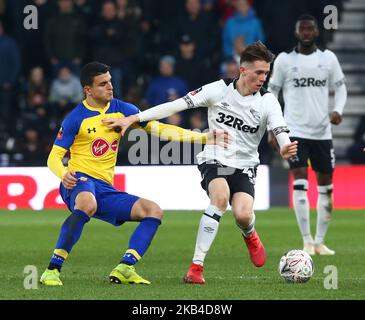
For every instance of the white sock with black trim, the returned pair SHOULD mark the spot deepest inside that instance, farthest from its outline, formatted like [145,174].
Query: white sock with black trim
[207,232]
[247,231]
[324,211]
[301,208]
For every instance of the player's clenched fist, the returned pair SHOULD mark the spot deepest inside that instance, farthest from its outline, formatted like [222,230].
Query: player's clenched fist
[69,180]
[219,137]
[335,117]
[289,150]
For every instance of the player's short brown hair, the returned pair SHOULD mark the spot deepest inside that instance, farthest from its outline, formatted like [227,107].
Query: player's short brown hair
[256,51]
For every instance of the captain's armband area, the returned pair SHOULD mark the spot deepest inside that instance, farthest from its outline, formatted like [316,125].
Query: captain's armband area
[279,130]
[340,83]
[189,102]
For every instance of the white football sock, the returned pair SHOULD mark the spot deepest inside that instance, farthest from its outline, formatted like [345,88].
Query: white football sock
[301,208]
[247,231]
[208,229]
[324,210]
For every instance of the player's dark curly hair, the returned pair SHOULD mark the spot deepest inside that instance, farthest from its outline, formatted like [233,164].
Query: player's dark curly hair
[257,51]
[90,71]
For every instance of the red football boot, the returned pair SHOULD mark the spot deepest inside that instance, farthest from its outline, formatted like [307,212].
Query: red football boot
[256,249]
[194,274]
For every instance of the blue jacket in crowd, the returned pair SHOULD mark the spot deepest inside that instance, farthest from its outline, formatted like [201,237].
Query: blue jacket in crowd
[249,27]
[10,60]
[162,89]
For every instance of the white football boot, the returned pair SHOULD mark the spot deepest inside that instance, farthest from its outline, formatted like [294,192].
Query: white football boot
[309,248]
[322,250]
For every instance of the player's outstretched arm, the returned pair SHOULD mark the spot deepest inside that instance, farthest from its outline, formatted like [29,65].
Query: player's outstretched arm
[158,112]
[123,123]
[174,133]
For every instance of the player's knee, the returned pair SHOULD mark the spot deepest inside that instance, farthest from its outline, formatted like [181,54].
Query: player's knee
[86,204]
[244,217]
[88,208]
[221,202]
[153,210]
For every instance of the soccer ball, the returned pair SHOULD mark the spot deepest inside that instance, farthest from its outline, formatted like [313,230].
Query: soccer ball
[296,266]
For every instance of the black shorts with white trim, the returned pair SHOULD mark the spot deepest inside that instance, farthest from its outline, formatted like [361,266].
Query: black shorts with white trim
[239,180]
[319,152]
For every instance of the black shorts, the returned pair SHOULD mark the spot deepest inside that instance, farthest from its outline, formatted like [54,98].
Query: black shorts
[239,180]
[319,152]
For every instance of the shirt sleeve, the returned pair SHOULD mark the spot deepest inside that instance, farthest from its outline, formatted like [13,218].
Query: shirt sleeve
[202,97]
[278,75]
[275,119]
[340,98]
[54,161]
[67,133]
[163,110]
[206,95]
[174,133]
[336,78]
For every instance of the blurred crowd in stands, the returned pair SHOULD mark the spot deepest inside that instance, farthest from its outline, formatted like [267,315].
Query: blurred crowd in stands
[158,51]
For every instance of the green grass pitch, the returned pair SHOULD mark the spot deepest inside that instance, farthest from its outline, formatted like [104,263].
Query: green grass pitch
[28,238]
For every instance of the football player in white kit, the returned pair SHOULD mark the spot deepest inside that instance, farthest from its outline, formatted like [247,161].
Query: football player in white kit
[228,173]
[306,75]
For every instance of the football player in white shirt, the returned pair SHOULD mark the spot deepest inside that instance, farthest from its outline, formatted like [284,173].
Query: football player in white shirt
[228,173]
[306,75]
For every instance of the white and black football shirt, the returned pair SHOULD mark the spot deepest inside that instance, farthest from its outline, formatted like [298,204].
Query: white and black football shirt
[306,81]
[246,118]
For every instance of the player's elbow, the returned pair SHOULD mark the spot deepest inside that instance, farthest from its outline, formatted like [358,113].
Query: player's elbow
[52,161]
